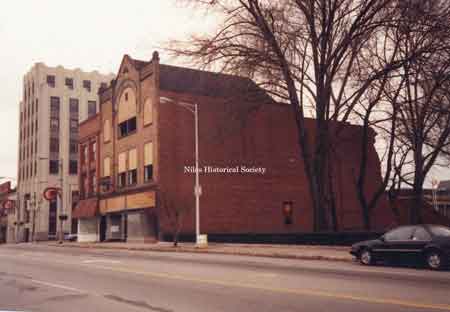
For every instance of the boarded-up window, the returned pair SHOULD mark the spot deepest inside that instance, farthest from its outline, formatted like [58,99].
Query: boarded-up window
[122,162]
[107,167]
[148,111]
[132,159]
[148,154]
[107,131]
[127,105]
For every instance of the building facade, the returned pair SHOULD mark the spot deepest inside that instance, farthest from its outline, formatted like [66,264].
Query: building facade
[86,210]
[7,213]
[54,101]
[251,172]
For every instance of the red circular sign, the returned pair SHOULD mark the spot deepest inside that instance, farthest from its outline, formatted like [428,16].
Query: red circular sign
[50,193]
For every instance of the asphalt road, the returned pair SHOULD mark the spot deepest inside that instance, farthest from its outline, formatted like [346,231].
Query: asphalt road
[43,278]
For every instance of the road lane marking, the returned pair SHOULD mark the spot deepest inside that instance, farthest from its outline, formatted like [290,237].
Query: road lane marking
[54,285]
[304,292]
[101,261]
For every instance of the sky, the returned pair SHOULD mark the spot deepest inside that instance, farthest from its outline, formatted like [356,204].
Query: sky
[91,35]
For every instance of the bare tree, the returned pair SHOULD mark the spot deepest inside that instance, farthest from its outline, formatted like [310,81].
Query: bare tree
[424,114]
[304,52]
[175,212]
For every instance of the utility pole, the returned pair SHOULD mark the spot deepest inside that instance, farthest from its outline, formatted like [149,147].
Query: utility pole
[59,201]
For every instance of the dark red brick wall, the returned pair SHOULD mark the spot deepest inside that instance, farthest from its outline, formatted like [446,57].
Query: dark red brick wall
[235,134]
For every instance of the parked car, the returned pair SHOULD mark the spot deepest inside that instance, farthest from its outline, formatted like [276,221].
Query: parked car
[427,244]
[70,237]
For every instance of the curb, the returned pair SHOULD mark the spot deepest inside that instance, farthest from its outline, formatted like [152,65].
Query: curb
[205,250]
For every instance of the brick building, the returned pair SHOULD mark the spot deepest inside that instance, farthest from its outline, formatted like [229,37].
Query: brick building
[8,222]
[251,168]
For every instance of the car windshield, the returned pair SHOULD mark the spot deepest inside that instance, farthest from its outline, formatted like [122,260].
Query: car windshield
[440,230]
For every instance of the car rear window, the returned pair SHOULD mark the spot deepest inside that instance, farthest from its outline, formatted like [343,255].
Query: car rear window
[440,230]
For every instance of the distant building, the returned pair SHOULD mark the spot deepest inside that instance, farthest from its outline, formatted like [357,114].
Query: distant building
[7,213]
[54,100]
[140,175]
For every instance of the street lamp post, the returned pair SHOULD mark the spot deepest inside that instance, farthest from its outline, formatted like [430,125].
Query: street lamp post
[193,108]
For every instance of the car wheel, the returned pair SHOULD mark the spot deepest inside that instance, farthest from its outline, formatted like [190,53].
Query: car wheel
[433,260]
[365,257]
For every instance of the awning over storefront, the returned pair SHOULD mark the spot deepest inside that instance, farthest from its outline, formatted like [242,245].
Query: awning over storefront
[86,208]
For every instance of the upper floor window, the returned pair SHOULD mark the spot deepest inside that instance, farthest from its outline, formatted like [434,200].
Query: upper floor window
[92,108]
[127,112]
[51,81]
[132,167]
[93,151]
[73,167]
[107,167]
[148,111]
[53,166]
[122,170]
[69,83]
[127,127]
[87,85]
[106,131]
[148,161]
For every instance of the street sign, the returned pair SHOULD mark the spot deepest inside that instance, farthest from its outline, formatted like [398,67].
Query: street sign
[198,190]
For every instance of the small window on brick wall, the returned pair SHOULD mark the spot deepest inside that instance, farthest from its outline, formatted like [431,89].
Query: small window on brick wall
[287,212]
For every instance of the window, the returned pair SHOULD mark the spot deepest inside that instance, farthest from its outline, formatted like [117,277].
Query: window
[127,127]
[54,145]
[400,234]
[122,170]
[127,111]
[83,186]
[421,234]
[73,125]
[73,106]
[92,188]
[69,83]
[106,167]
[440,230]
[85,154]
[54,106]
[287,212]
[54,124]
[132,177]
[93,151]
[148,112]
[73,167]
[106,131]
[94,182]
[132,167]
[148,161]
[51,81]
[73,146]
[87,85]
[53,166]
[121,180]
[92,108]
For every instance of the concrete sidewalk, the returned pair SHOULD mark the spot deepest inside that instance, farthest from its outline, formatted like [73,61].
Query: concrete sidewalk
[305,252]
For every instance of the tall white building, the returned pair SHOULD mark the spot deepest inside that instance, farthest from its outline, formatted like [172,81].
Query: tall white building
[53,103]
